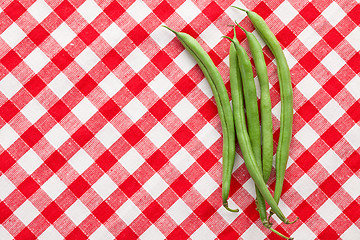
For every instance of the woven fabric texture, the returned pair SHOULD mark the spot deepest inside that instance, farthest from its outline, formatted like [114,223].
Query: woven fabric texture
[108,129]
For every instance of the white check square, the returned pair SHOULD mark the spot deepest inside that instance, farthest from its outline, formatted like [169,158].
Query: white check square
[30,161]
[333,62]
[77,212]
[108,135]
[303,232]
[253,232]
[39,10]
[63,34]
[54,187]
[329,211]
[155,186]
[160,85]
[188,11]
[211,35]
[332,111]
[305,186]
[203,232]
[89,10]
[137,60]
[182,160]
[9,86]
[7,136]
[354,87]
[26,212]
[60,85]
[152,233]
[132,160]
[6,186]
[206,185]
[36,60]
[306,136]
[286,12]
[111,84]
[33,111]
[113,34]
[185,61]
[81,161]
[184,110]
[179,211]
[128,212]
[308,86]
[139,10]
[51,233]
[330,161]
[352,136]
[57,136]
[353,38]
[351,186]
[101,234]
[158,135]
[87,59]
[13,35]
[334,13]
[104,186]
[134,110]
[309,37]
[208,135]
[84,110]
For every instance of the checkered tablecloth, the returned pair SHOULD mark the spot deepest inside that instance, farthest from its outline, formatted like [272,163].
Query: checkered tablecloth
[108,128]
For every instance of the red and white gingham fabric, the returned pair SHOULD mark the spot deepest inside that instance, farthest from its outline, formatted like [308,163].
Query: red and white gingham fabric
[108,128]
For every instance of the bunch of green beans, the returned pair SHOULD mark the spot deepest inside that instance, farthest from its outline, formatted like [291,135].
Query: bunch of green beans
[256,143]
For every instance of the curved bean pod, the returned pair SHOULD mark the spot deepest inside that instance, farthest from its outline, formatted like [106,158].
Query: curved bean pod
[217,85]
[251,106]
[265,104]
[252,116]
[237,98]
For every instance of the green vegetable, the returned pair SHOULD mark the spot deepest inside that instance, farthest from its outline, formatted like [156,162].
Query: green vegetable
[265,104]
[216,82]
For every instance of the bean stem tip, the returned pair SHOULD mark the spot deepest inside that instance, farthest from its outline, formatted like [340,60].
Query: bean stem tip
[240,27]
[228,38]
[169,29]
[292,221]
[280,234]
[226,205]
[240,9]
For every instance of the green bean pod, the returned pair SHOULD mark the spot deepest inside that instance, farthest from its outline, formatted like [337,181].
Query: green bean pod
[245,143]
[218,88]
[265,104]
[251,106]
[252,116]
[286,97]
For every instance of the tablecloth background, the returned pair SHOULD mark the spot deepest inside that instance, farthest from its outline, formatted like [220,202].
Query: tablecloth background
[108,128]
